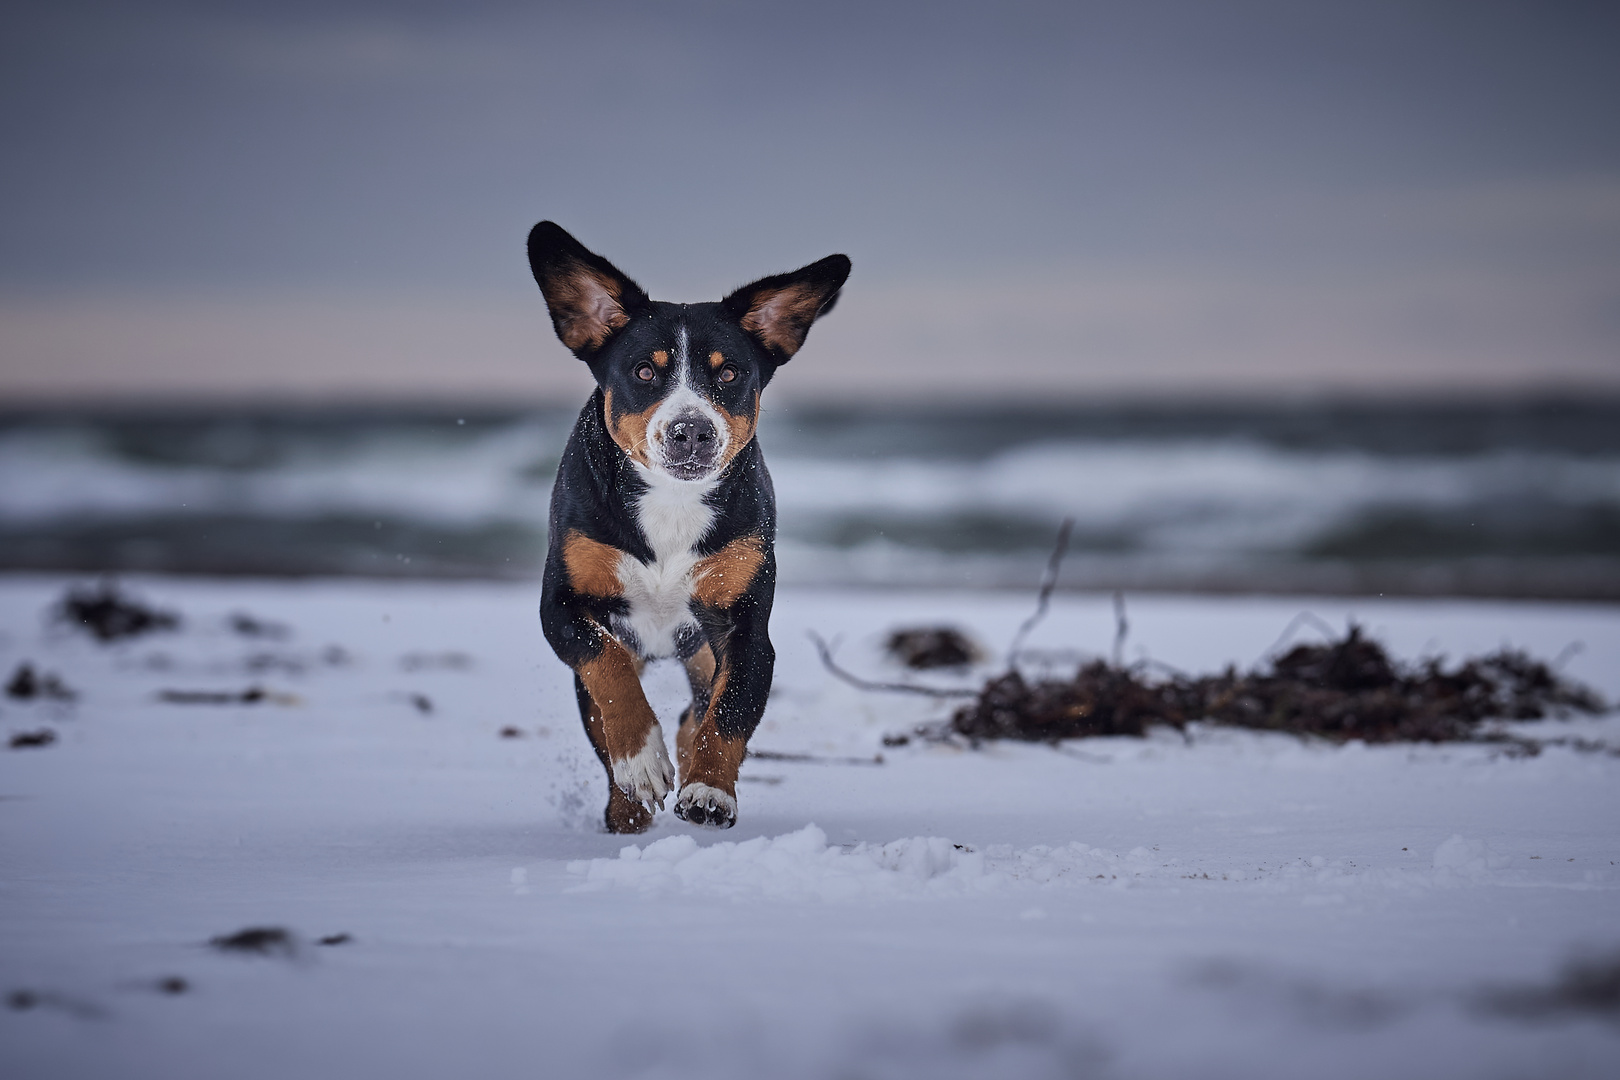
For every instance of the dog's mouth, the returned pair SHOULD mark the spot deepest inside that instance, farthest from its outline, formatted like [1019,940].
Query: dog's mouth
[688,470]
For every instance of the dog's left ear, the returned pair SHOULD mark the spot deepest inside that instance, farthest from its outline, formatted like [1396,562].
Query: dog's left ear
[778,310]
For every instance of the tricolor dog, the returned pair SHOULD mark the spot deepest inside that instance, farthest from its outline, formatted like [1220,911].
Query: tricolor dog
[663,520]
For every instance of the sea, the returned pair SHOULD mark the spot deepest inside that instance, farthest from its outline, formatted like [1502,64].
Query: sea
[1510,499]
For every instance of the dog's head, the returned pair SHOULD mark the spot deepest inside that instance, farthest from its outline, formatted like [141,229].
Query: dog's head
[680,382]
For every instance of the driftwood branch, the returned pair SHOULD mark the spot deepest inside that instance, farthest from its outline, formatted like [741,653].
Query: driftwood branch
[1043,599]
[1121,628]
[1304,618]
[867,684]
[813,759]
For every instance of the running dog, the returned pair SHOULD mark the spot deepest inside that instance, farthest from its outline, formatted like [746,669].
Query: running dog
[663,519]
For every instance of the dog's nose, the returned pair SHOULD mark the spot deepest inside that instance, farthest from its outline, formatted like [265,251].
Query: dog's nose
[691,440]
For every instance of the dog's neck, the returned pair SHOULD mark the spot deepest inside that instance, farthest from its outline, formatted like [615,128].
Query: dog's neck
[674,515]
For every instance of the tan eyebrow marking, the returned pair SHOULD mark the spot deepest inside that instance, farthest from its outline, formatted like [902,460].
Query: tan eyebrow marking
[716,359]
[661,358]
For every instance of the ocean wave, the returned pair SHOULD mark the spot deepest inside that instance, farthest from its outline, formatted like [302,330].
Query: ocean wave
[446,495]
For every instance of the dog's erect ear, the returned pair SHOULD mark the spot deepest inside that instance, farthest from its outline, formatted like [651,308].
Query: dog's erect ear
[588,298]
[778,310]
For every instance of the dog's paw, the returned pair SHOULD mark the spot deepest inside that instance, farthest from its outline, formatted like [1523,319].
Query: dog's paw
[704,805]
[647,776]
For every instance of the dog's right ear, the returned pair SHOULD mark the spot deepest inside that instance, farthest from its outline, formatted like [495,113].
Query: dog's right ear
[588,298]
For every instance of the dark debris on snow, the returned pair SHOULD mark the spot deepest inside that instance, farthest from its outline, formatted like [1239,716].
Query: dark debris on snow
[257,941]
[923,648]
[1348,688]
[26,684]
[107,614]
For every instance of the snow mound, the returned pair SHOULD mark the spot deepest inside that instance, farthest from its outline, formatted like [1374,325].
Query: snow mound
[802,865]
[798,865]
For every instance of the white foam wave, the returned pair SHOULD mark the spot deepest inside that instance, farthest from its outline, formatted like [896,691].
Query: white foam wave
[1189,496]
[64,473]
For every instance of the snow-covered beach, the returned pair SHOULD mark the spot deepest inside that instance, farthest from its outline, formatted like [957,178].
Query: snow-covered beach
[1225,904]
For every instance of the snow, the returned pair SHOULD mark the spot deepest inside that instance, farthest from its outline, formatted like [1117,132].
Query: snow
[801,866]
[1228,904]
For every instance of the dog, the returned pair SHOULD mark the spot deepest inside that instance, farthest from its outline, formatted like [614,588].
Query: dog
[663,518]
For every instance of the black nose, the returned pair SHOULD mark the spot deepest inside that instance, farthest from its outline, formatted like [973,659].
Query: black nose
[691,440]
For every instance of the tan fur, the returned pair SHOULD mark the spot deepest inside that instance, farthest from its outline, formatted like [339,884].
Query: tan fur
[629,430]
[741,428]
[613,680]
[719,580]
[781,317]
[593,567]
[700,669]
[624,814]
[700,677]
[716,359]
[660,358]
[683,745]
[585,304]
[704,755]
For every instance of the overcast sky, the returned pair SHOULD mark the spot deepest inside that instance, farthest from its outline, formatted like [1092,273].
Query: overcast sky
[329,199]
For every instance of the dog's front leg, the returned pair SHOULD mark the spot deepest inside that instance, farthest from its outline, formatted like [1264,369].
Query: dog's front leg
[631,738]
[711,749]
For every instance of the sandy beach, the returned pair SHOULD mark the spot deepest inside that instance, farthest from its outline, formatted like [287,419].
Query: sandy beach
[1221,904]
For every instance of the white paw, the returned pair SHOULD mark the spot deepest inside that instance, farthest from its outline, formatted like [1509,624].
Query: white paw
[704,805]
[646,776]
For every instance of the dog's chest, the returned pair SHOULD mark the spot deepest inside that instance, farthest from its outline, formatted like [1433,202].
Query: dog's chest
[673,518]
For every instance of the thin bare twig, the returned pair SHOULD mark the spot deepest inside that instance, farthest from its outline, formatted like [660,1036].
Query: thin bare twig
[1304,618]
[867,684]
[1121,628]
[1048,583]
[814,759]
[1566,654]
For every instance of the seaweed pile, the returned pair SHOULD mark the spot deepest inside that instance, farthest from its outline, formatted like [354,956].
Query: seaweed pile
[26,685]
[923,648]
[107,614]
[1347,688]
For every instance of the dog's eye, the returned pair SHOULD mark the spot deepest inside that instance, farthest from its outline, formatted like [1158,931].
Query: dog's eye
[646,373]
[728,374]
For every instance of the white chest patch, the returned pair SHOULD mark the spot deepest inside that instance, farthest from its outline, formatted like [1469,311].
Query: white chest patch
[673,518]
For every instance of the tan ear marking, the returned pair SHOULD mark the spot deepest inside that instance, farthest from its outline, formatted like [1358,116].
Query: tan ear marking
[586,305]
[781,317]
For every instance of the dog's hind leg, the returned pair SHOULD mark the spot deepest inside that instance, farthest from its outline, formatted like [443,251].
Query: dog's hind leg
[711,747]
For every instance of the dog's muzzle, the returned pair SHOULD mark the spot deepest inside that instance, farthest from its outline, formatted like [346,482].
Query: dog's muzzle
[691,446]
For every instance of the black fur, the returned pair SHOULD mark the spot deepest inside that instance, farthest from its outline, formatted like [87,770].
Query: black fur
[595,495]
[611,324]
